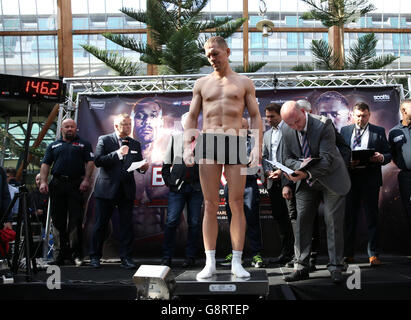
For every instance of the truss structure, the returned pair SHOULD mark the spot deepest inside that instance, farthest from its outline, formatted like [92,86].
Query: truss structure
[266,81]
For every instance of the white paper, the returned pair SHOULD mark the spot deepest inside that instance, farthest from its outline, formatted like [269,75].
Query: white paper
[281,167]
[137,165]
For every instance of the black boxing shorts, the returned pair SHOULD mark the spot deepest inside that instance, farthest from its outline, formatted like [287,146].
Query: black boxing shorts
[222,149]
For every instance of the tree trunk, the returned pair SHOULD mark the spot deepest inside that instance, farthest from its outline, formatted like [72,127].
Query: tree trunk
[336,38]
[151,68]
[336,41]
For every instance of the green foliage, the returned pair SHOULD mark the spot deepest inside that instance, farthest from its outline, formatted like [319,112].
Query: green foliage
[322,52]
[361,56]
[337,12]
[303,67]
[123,66]
[177,30]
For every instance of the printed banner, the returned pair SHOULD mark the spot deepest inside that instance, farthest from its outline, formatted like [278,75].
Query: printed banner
[157,116]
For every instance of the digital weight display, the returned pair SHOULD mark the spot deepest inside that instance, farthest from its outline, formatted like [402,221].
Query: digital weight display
[32,89]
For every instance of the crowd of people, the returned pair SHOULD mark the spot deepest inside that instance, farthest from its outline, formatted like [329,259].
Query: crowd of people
[315,145]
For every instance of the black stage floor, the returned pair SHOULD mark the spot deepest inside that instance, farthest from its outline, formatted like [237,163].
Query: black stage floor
[390,281]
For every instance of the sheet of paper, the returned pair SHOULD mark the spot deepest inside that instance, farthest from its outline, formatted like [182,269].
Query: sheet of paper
[136,165]
[280,166]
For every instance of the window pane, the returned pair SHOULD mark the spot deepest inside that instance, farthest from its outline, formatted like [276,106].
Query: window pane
[79,7]
[47,7]
[80,23]
[115,22]
[96,6]
[10,7]
[113,6]
[47,23]
[28,7]
[11,24]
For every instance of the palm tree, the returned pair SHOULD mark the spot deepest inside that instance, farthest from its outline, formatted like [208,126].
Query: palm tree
[334,14]
[176,29]
[361,56]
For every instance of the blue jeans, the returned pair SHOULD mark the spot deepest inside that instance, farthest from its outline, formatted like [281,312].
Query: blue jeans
[176,202]
[251,212]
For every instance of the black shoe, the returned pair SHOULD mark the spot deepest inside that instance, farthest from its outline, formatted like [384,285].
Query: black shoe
[281,259]
[189,263]
[166,262]
[336,276]
[297,275]
[95,263]
[127,263]
[312,268]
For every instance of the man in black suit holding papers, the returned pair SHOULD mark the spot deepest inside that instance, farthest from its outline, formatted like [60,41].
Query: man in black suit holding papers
[366,180]
[115,186]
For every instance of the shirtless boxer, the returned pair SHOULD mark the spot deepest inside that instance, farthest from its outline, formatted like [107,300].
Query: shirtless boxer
[222,97]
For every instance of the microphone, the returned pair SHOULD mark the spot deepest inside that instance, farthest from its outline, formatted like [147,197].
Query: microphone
[124,142]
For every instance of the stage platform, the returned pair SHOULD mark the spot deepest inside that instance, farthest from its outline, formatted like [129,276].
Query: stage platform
[390,281]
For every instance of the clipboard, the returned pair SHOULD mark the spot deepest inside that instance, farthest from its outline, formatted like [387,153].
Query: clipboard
[309,163]
[289,171]
[363,155]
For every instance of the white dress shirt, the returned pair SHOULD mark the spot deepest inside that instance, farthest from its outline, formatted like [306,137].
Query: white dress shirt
[276,136]
[365,135]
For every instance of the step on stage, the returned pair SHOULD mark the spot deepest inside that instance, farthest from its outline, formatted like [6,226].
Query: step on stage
[222,283]
[390,281]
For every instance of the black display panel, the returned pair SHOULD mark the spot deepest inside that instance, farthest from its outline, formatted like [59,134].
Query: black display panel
[31,89]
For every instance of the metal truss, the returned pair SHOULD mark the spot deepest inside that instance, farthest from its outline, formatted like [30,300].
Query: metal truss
[280,80]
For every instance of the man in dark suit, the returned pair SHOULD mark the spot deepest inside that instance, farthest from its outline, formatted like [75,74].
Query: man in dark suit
[366,180]
[307,136]
[272,151]
[185,188]
[115,186]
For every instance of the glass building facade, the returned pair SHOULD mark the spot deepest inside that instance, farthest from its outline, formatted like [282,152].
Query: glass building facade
[36,54]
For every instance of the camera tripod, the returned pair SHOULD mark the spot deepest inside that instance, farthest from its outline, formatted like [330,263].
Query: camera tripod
[23,221]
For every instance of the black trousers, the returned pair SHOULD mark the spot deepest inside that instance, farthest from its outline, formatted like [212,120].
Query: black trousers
[66,209]
[404,182]
[103,211]
[280,214]
[366,196]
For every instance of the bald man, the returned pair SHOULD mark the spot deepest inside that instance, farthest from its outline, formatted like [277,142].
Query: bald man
[72,161]
[308,136]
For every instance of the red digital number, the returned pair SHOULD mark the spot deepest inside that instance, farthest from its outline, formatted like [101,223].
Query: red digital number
[27,86]
[35,85]
[53,91]
[44,89]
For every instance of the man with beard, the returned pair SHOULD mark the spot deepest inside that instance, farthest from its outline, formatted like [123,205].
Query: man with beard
[72,161]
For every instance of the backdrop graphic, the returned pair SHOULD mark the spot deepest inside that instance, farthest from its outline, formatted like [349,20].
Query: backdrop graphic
[157,116]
